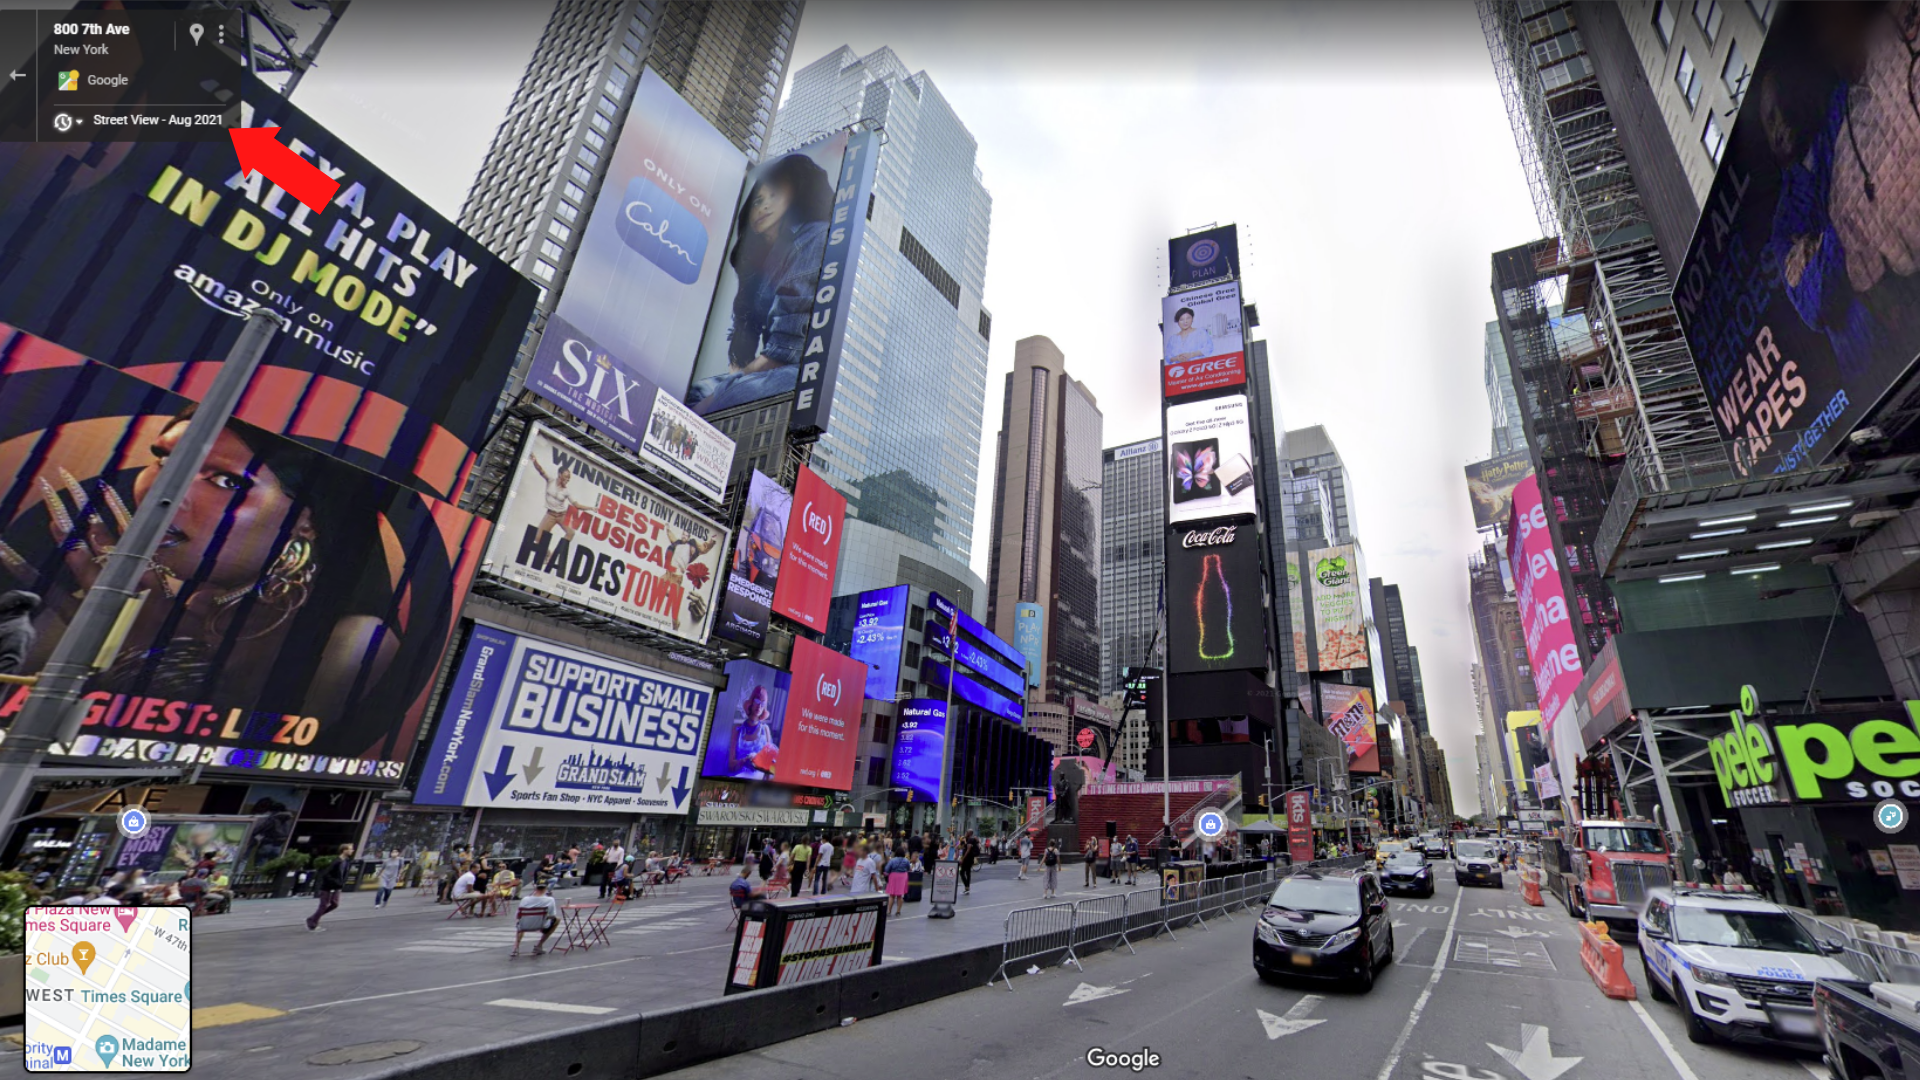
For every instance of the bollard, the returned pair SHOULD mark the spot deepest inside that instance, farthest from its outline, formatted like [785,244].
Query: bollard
[1530,888]
[1605,963]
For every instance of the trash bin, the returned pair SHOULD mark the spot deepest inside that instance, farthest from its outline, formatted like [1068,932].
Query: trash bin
[915,879]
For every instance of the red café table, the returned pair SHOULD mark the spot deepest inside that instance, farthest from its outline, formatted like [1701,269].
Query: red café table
[576,927]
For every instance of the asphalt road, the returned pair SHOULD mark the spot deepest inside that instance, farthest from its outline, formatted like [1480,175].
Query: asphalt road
[1482,987]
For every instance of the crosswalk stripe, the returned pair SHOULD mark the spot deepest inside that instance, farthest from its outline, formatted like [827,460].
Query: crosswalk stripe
[550,1006]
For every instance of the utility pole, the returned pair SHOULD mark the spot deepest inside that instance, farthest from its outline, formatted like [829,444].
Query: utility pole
[54,709]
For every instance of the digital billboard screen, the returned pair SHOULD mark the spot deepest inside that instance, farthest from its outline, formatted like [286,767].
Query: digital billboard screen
[745,609]
[941,613]
[919,747]
[1798,293]
[748,721]
[967,689]
[1552,651]
[812,553]
[399,329]
[823,718]
[1347,713]
[296,615]
[1339,620]
[615,737]
[1203,257]
[1030,637]
[1216,613]
[574,526]
[1490,485]
[1210,460]
[879,629]
[1205,348]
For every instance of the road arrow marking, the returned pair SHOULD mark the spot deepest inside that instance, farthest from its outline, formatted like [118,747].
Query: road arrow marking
[1085,992]
[1295,1021]
[1535,1058]
[1398,923]
[502,773]
[532,769]
[1515,933]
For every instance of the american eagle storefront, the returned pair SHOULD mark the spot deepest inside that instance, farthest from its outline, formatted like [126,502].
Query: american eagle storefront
[1824,799]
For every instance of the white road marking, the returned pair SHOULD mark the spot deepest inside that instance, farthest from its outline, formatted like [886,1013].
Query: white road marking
[551,1006]
[1296,1019]
[1420,1004]
[1535,1058]
[1819,1071]
[1088,992]
[1660,1039]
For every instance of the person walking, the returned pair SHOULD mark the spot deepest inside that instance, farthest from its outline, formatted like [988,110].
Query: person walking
[860,879]
[897,870]
[969,854]
[1051,861]
[1091,857]
[823,866]
[847,858]
[332,880]
[800,855]
[1026,853]
[767,858]
[390,869]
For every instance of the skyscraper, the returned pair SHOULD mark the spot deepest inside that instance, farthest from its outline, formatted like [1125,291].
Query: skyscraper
[549,157]
[1509,433]
[913,370]
[1270,443]
[1400,664]
[1133,529]
[1312,454]
[1045,545]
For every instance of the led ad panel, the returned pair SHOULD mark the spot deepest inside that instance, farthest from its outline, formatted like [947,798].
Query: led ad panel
[1551,649]
[812,553]
[1216,614]
[919,747]
[756,563]
[748,723]
[1339,621]
[1030,637]
[1490,485]
[1204,343]
[878,629]
[1210,460]
[1203,257]
[823,718]
[1347,713]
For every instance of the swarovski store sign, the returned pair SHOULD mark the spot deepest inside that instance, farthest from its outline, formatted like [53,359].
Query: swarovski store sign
[766,816]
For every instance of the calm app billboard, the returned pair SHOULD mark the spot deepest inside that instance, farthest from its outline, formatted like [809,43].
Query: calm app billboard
[878,631]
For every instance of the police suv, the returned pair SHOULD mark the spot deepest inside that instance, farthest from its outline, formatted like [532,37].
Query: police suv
[1739,966]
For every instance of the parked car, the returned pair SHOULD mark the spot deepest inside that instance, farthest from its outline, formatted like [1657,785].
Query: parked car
[1477,862]
[1739,967]
[1407,872]
[1869,1032]
[1324,926]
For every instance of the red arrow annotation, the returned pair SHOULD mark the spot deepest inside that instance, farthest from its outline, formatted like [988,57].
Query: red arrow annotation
[260,151]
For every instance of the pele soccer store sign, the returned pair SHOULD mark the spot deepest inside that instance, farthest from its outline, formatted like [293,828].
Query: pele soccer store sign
[532,724]
[575,527]
[1862,757]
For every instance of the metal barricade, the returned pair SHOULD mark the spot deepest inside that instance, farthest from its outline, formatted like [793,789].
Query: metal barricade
[1213,898]
[1178,907]
[1034,932]
[1100,918]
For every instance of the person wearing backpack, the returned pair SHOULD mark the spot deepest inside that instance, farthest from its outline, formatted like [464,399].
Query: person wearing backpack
[1051,860]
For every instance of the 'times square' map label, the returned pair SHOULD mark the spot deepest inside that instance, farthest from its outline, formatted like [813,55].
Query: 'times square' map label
[107,989]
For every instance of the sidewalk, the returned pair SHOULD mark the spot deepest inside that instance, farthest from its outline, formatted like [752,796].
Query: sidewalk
[264,985]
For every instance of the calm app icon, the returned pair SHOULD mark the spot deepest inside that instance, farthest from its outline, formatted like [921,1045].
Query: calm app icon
[667,233]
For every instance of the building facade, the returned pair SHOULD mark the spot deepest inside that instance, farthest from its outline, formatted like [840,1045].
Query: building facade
[1312,455]
[1045,545]
[1133,519]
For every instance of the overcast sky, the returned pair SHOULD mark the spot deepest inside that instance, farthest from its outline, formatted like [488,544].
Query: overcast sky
[1362,148]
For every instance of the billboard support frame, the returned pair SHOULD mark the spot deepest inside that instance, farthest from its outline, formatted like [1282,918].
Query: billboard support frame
[52,712]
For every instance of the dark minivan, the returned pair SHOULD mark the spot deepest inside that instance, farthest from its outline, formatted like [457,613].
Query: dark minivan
[1324,926]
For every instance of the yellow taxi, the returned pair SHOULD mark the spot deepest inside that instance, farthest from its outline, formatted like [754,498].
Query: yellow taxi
[1386,849]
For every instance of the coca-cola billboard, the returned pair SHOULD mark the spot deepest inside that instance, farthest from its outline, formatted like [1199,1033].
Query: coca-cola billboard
[1216,614]
[1551,650]
[1208,537]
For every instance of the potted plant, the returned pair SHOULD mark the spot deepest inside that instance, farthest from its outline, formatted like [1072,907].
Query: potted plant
[284,871]
[597,868]
[16,892]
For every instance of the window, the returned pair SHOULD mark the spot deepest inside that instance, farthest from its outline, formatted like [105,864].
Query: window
[552,250]
[599,123]
[917,616]
[587,155]
[1713,139]
[1736,73]
[1663,22]
[542,270]
[574,193]
[1707,13]
[559,231]
[1687,77]
[1762,10]
[580,173]
[876,772]
[608,105]
[566,210]
[913,654]
[595,140]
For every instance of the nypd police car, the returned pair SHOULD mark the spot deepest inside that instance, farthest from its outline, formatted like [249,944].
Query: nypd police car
[1738,966]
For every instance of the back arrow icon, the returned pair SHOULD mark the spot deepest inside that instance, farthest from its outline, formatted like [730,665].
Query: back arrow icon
[16,75]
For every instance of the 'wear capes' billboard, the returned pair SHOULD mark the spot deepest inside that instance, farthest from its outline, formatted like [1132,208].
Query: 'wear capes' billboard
[1490,485]
[1205,345]
[1216,613]
[779,315]
[398,329]
[919,746]
[578,528]
[812,553]
[1799,294]
[1210,460]
[528,723]
[1551,650]
[878,629]
[756,563]
[1339,623]
[298,607]
[1347,713]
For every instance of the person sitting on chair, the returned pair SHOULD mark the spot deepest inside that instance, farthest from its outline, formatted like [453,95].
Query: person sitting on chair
[539,913]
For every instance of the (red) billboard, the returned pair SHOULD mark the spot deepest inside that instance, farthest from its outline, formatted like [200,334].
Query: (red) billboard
[812,553]
[823,717]
[1299,826]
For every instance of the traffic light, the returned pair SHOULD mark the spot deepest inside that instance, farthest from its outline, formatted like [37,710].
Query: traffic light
[1262,800]
[909,794]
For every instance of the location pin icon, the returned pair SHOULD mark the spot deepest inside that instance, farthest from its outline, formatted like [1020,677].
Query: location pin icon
[106,1046]
[83,955]
[194,32]
[126,915]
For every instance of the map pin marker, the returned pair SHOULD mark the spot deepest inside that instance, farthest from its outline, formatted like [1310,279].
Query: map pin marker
[126,915]
[83,955]
[106,1046]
